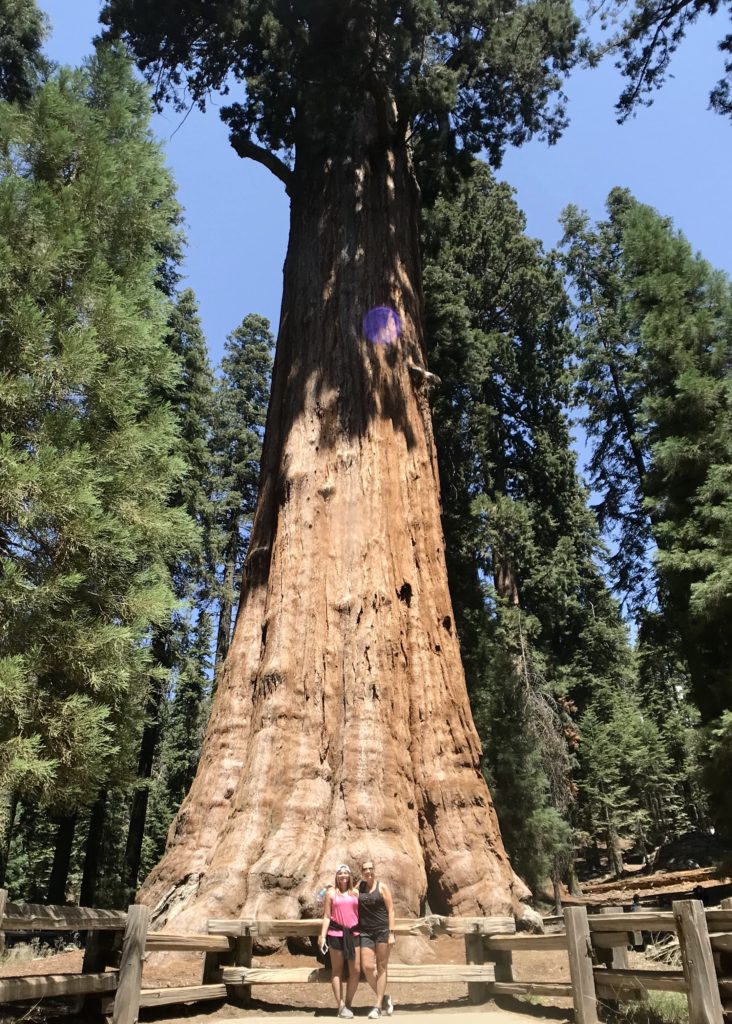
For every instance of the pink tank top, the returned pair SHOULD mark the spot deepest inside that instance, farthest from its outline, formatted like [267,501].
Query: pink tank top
[343,911]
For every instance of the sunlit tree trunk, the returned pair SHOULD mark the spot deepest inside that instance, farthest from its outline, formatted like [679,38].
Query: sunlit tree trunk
[341,726]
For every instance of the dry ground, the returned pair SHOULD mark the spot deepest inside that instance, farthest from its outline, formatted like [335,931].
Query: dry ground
[310,1001]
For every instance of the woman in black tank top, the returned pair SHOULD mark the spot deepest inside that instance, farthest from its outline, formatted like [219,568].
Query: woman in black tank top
[376,925]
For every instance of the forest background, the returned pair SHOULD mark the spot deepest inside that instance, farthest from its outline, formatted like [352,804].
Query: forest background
[616,728]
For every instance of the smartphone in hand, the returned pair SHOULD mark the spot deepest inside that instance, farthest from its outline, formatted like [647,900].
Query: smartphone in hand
[324,948]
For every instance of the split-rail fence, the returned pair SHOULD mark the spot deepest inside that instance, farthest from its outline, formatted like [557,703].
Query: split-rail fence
[595,944]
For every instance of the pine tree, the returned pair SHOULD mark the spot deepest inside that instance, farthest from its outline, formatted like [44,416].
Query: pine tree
[192,570]
[89,451]
[241,411]
[224,431]
[183,719]
[610,388]
[521,543]
[673,315]
[553,679]
[22,29]
[648,36]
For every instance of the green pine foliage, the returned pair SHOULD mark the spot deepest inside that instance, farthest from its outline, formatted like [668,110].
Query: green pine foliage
[22,65]
[89,448]
[609,388]
[460,73]
[554,682]
[646,34]
[657,318]
[222,423]
[519,539]
[183,718]
[192,401]
[242,397]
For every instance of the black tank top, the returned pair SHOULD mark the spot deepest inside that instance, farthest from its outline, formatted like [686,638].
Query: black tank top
[372,913]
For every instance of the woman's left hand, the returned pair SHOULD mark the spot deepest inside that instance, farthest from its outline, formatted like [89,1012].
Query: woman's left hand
[392,938]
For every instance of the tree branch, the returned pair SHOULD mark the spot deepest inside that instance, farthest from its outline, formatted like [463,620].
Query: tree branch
[249,150]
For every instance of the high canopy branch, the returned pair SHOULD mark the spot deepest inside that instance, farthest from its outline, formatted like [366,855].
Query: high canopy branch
[247,149]
[493,69]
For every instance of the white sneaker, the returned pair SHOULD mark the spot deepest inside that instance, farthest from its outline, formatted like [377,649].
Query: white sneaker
[388,1005]
[345,1011]
[374,1012]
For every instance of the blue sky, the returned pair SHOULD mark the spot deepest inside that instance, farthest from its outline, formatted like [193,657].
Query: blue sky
[676,155]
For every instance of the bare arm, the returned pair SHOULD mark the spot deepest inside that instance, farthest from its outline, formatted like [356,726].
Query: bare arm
[326,920]
[389,904]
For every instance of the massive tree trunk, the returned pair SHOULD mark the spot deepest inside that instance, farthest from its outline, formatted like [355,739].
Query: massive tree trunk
[341,726]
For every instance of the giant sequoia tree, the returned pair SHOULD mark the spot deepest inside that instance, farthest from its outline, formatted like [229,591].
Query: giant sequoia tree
[341,722]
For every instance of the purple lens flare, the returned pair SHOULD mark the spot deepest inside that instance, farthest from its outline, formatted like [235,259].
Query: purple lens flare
[381,325]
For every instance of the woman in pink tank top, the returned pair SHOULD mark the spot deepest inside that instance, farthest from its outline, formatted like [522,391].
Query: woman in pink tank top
[340,926]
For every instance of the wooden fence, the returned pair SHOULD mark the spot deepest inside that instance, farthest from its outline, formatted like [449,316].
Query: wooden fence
[595,945]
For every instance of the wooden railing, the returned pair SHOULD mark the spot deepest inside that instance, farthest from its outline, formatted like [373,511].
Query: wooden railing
[595,945]
[122,940]
[94,981]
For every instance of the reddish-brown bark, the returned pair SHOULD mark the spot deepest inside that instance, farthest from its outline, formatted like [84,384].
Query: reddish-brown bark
[341,725]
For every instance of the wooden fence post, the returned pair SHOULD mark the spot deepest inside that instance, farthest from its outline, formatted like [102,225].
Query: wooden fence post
[477,992]
[705,1004]
[101,950]
[579,947]
[240,955]
[614,957]
[3,901]
[502,960]
[725,959]
[129,983]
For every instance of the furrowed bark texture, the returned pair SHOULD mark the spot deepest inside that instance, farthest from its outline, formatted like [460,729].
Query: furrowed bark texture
[341,726]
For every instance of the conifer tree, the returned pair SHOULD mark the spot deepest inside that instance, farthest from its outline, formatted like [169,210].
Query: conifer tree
[192,569]
[241,411]
[182,721]
[548,659]
[88,446]
[672,314]
[22,29]
[647,34]
[520,541]
[609,387]
[225,429]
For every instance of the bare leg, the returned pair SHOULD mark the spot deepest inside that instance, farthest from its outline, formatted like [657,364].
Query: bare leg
[382,962]
[368,965]
[354,976]
[336,975]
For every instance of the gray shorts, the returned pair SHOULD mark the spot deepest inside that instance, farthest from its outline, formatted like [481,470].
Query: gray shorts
[336,942]
[373,939]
